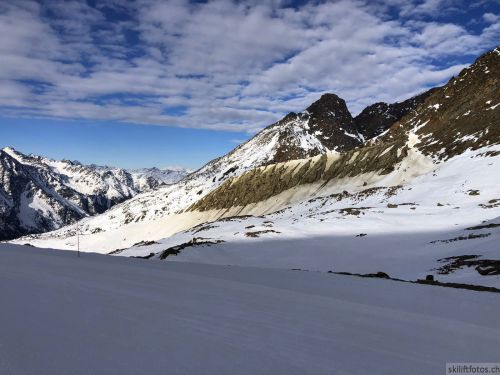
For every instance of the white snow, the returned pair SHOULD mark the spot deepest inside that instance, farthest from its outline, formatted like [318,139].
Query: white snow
[109,315]
[386,151]
[13,153]
[419,126]
[351,135]
[433,204]
[316,235]
[27,216]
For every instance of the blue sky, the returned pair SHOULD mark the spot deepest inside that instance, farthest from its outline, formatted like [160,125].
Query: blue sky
[118,144]
[159,83]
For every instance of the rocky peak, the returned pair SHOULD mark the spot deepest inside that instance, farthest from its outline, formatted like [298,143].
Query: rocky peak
[11,151]
[329,103]
[378,117]
[326,125]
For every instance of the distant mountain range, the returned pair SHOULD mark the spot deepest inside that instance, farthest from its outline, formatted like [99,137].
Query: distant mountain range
[38,194]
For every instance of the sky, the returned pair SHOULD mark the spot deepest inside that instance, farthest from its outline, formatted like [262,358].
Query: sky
[159,83]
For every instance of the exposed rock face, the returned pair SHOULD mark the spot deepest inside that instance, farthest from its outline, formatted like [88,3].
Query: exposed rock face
[332,121]
[463,114]
[469,111]
[39,194]
[326,125]
[379,117]
[263,183]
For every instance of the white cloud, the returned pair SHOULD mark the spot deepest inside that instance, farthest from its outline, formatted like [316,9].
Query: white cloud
[491,17]
[231,65]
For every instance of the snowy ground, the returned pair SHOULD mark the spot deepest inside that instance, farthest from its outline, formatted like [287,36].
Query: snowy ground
[110,315]
[404,230]
[409,256]
[402,225]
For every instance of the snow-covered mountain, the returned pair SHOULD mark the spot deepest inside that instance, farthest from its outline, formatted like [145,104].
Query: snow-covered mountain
[145,179]
[425,194]
[461,116]
[325,127]
[38,194]
[429,177]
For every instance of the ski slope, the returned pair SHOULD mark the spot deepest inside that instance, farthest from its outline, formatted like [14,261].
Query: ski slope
[110,315]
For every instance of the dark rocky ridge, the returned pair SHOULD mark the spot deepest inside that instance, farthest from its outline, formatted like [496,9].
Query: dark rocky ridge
[329,122]
[378,117]
[330,116]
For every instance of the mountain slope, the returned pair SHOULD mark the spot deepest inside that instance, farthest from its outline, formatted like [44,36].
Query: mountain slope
[247,177]
[401,224]
[325,127]
[462,115]
[420,199]
[39,194]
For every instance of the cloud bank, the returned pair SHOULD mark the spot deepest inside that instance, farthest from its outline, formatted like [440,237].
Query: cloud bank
[227,65]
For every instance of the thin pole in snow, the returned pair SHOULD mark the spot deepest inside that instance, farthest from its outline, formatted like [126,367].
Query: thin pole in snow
[77,239]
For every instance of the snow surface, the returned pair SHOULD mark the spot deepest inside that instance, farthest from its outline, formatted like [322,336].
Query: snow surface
[108,315]
[404,227]
[315,231]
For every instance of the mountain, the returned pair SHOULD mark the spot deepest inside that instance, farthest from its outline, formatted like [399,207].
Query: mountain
[325,127]
[40,194]
[414,199]
[378,117]
[420,199]
[449,121]
[145,179]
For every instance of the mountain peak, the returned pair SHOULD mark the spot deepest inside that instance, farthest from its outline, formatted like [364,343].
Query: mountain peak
[378,117]
[13,153]
[494,53]
[10,150]
[328,103]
